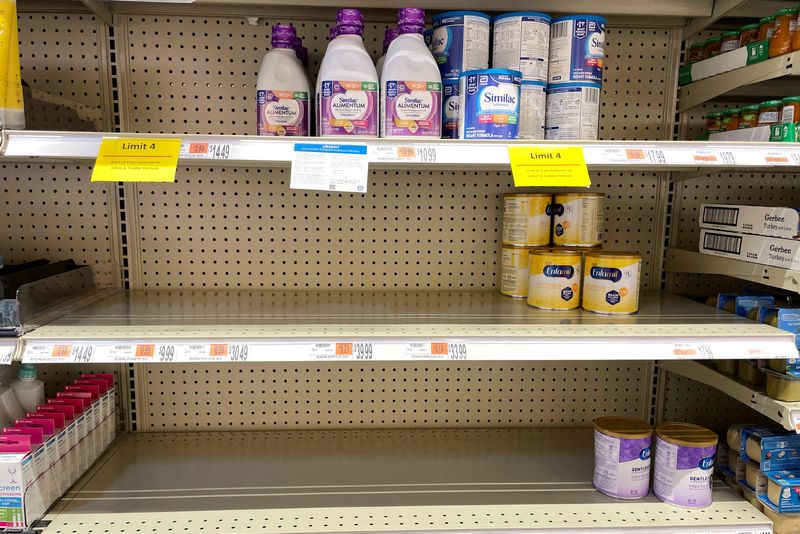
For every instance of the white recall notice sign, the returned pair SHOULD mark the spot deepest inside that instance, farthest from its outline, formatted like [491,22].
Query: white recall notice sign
[330,167]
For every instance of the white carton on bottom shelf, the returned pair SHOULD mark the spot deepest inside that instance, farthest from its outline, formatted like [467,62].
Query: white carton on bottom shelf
[772,251]
[21,493]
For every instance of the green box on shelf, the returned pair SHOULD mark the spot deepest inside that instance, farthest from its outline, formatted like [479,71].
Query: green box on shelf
[736,59]
[783,133]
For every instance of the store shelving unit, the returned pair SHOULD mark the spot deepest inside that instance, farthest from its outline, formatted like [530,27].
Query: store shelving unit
[784,413]
[687,261]
[252,306]
[498,480]
[219,326]
[704,90]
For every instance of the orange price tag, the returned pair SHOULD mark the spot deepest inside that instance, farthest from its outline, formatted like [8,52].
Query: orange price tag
[405,152]
[62,351]
[634,153]
[344,349]
[439,349]
[218,350]
[685,352]
[776,159]
[705,157]
[198,148]
[145,351]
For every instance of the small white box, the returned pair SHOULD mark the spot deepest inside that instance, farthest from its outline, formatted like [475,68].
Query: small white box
[760,220]
[772,251]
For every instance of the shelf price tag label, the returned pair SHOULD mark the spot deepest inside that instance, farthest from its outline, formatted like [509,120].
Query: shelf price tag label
[206,151]
[330,167]
[6,352]
[705,157]
[436,350]
[404,154]
[544,166]
[778,158]
[137,160]
[693,351]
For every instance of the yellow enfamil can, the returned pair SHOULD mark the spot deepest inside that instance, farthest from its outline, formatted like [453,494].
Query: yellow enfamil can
[514,273]
[554,279]
[578,219]
[611,282]
[526,220]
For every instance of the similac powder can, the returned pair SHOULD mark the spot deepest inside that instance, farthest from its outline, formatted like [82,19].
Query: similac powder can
[450,113]
[572,112]
[514,271]
[525,220]
[533,103]
[460,42]
[578,219]
[577,49]
[611,282]
[554,279]
[522,42]
[622,457]
[684,464]
[489,104]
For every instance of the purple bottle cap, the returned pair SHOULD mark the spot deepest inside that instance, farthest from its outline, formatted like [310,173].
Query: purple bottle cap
[303,55]
[283,36]
[349,16]
[333,33]
[297,43]
[390,35]
[411,20]
[350,29]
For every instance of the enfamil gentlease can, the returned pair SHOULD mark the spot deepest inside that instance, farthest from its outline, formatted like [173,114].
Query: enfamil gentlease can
[578,219]
[611,282]
[554,279]
[526,220]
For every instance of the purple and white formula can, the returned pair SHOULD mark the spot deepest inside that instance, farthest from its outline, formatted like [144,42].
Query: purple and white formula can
[622,457]
[684,464]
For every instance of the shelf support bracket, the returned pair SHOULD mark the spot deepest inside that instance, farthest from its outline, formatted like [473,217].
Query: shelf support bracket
[721,8]
[100,9]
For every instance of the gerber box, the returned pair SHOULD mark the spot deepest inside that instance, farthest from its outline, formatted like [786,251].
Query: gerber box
[780,490]
[774,450]
[772,251]
[759,220]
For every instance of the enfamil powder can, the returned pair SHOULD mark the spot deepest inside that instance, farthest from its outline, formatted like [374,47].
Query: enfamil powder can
[514,273]
[526,221]
[683,467]
[611,282]
[489,104]
[578,219]
[554,279]
[622,457]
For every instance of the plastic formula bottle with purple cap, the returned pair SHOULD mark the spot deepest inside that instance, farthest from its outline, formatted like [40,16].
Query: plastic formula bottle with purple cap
[411,86]
[282,90]
[390,35]
[347,86]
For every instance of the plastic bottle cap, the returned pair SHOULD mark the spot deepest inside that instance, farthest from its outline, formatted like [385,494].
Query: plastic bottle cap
[698,45]
[748,27]
[731,111]
[734,33]
[714,40]
[791,99]
[712,115]
[787,11]
[765,20]
[770,104]
[349,29]
[283,36]
[349,16]
[750,107]
[27,372]
[391,34]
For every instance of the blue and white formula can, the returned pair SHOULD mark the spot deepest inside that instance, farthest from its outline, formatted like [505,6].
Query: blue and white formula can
[533,103]
[427,37]
[460,42]
[577,49]
[450,107]
[489,104]
[572,112]
[522,42]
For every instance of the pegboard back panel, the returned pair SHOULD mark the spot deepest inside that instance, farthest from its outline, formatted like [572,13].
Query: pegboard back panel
[388,395]
[244,227]
[65,66]
[53,211]
[692,402]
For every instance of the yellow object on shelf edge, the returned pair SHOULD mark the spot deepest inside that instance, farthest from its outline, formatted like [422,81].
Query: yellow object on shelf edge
[12,106]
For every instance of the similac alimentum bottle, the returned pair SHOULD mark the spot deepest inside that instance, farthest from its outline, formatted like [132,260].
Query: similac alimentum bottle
[282,88]
[411,84]
[347,85]
[391,34]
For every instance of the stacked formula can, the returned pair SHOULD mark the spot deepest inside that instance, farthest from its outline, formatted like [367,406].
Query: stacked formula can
[561,62]
[551,255]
